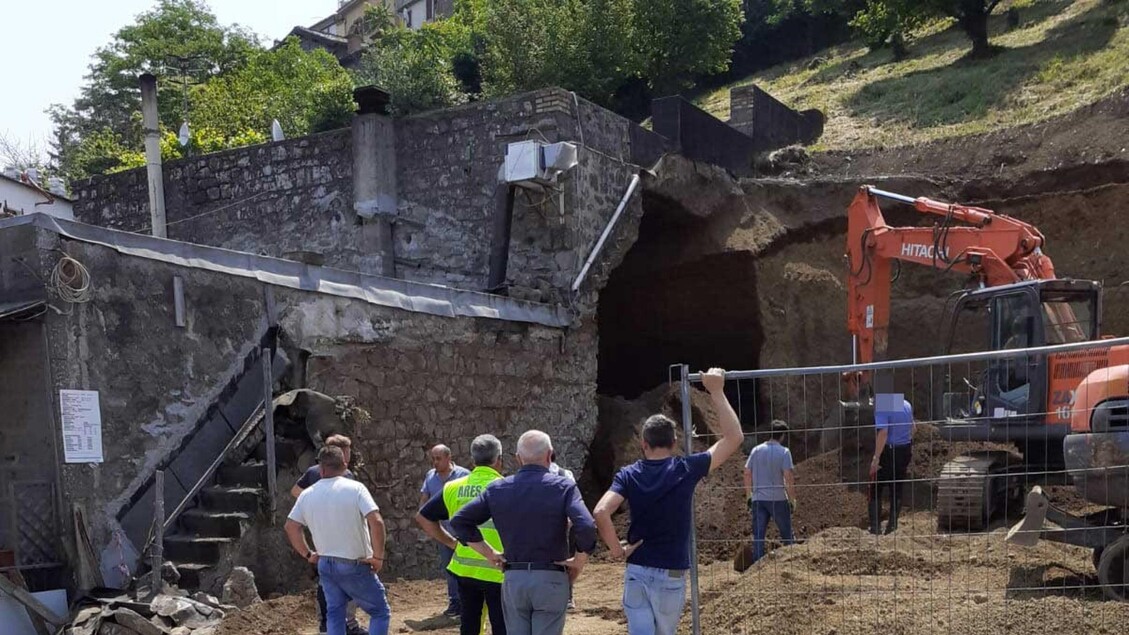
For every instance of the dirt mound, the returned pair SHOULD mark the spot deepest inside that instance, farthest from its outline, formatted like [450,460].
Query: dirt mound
[846,581]
[280,616]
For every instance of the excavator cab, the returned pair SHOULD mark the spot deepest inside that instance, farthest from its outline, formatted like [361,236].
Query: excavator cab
[988,401]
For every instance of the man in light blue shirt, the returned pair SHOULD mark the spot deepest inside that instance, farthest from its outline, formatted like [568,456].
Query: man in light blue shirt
[770,488]
[443,469]
[893,450]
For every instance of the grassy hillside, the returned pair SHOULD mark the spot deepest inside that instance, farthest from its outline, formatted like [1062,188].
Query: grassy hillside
[1062,55]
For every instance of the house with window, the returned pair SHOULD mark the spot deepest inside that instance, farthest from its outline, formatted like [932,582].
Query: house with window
[343,32]
[21,193]
[415,13]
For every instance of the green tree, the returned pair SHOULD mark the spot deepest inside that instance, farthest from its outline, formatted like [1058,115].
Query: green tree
[888,22]
[677,40]
[971,16]
[415,66]
[581,45]
[306,91]
[179,41]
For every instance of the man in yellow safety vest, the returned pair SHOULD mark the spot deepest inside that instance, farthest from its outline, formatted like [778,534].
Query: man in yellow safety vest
[479,581]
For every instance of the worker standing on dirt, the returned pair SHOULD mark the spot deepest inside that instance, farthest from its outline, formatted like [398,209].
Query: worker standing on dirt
[479,581]
[349,533]
[309,477]
[443,470]
[770,488]
[531,511]
[893,451]
[659,490]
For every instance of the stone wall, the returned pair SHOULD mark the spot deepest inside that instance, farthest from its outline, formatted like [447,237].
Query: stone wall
[428,380]
[297,195]
[770,123]
[425,379]
[155,380]
[700,136]
[273,199]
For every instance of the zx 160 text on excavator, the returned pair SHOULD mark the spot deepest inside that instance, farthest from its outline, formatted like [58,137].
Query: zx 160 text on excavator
[1061,410]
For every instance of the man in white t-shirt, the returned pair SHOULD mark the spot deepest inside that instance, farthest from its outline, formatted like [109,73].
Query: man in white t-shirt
[345,523]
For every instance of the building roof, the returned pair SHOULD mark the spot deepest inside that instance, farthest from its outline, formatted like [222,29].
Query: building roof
[400,294]
[40,190]
[325,39]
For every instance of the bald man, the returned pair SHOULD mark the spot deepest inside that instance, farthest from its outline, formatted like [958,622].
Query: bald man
[531,510]
[443,469]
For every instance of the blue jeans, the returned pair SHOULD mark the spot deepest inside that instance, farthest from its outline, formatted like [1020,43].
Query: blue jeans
[345,580]
[653,599]
[778,511]
[445,556]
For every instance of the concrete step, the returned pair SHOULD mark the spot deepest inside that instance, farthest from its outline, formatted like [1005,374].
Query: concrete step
[252,474]
[191,573]
[205,523]
[205,550]
[232,499]
[286,451]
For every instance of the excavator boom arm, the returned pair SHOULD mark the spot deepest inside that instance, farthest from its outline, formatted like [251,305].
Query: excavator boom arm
[994,248]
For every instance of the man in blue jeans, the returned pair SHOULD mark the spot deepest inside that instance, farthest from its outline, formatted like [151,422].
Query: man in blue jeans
[346,525]
[659,490]
[770,488]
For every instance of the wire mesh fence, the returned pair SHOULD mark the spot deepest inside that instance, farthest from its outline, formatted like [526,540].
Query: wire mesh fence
[1001,508]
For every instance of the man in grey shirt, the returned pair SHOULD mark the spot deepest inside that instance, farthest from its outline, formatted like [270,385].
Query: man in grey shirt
[770,488]
[443,469]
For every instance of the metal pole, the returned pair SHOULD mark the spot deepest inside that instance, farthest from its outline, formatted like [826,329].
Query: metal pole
[268,425]
[159,527]
[151,127]
[688,432]
[607,230]
[901,198]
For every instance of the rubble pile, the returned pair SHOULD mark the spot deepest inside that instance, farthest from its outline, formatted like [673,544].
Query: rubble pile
[171,612]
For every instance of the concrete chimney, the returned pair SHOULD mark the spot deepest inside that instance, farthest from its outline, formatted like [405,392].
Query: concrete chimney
[151,126]
[374,174]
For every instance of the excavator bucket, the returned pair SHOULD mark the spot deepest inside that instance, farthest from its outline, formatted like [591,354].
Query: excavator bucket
[1027,531]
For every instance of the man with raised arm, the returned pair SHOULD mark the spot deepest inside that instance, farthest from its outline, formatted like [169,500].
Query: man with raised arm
[659,490]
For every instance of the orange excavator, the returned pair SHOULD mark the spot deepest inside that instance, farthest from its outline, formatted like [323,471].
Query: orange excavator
[1068,409]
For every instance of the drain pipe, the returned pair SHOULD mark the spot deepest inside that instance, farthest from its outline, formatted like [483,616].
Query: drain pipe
[607,231]
[151,128]
[500,244]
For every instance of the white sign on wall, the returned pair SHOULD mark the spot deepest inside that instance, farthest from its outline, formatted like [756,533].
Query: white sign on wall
[82,426]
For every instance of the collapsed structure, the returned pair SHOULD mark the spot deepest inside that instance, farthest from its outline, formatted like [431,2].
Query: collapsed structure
[393,269]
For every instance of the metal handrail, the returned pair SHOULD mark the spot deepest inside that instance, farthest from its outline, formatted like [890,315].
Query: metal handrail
[249,425]
[241,435]
[1011,353]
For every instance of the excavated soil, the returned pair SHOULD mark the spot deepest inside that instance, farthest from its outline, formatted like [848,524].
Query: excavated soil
[845,581]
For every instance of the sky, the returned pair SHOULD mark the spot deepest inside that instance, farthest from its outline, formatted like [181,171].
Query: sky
[46,56]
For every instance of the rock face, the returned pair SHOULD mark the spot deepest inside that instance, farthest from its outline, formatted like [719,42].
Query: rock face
[239,590]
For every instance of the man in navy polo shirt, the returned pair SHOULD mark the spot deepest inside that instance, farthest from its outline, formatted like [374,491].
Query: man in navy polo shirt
[893,450]
[659,490]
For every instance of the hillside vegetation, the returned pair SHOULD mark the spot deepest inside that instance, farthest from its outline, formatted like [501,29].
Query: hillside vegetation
[1062,55]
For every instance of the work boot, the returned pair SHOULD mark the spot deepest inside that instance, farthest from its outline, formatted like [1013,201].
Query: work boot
[874,514]
[355,629]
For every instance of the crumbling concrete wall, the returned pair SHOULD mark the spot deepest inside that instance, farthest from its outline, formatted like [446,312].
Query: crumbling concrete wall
[155,380]
[427,380]
[297,195]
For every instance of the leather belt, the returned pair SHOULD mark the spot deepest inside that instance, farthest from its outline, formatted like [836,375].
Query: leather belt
[533,566]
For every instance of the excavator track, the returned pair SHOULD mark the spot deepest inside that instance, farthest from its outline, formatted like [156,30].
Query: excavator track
[974,487]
